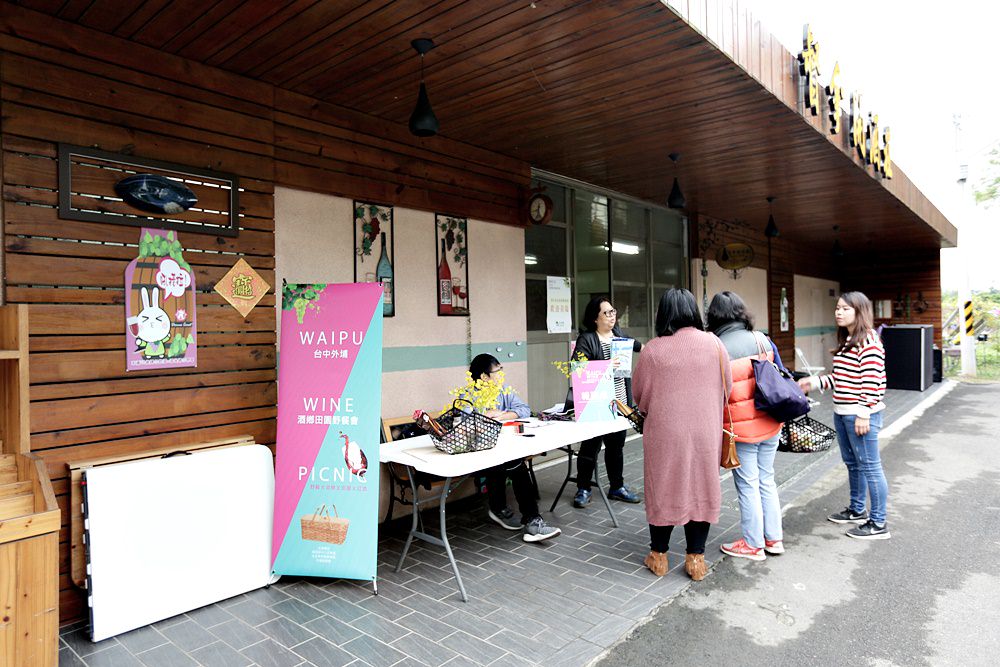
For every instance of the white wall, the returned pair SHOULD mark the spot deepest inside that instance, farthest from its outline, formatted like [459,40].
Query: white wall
[815,331]
[751,285]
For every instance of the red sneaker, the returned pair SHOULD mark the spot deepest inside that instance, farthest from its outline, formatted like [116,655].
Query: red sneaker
[741,549]
[774,546]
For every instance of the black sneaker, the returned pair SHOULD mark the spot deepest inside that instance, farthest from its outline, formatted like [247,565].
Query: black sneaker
[848,516]
[506,519]
[870,530]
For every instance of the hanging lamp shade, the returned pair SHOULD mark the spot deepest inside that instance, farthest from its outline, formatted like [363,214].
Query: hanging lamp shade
[838,250]
[676,198]
[771,231]
[423,122]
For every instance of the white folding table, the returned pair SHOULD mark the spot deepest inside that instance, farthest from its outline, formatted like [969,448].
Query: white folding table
[420,454]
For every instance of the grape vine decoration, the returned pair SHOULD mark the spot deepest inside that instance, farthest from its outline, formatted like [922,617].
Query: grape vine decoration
[370,219]
[453,231]
[301,298]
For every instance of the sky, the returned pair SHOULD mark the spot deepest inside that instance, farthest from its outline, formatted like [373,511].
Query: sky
[918,64]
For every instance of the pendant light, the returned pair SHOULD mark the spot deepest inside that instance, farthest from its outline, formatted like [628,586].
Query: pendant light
[423,122]
[838,250]
[771,231]
[676,198]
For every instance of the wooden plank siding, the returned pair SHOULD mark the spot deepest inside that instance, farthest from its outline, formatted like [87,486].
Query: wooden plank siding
[77,86]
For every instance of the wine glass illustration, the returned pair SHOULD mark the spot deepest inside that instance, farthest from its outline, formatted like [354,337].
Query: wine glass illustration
[456,289]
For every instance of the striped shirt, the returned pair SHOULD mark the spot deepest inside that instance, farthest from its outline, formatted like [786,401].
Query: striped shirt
[858,378]
[620,392]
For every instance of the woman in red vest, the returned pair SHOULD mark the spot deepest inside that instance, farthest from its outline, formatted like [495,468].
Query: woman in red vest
[757,432]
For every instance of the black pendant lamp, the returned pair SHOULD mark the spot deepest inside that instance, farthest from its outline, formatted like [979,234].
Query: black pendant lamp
[423,122]
[771,231]
[838,250]
[676,198]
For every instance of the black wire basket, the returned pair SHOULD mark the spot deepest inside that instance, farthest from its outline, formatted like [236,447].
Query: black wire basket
[805,435]
[466,431]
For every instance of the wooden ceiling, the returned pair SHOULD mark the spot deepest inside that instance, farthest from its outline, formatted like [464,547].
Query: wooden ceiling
[599,91]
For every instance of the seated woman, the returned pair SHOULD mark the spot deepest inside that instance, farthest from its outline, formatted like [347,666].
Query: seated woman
[510,406]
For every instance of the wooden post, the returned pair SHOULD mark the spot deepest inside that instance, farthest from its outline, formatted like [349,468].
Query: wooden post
[14,424]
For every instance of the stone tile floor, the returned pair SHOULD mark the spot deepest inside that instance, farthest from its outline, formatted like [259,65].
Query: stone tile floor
[559,603]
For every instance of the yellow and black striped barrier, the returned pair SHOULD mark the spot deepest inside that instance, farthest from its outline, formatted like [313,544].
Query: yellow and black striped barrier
[969,326]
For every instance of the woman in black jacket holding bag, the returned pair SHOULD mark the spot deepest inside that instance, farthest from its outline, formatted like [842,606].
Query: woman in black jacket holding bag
[599,326]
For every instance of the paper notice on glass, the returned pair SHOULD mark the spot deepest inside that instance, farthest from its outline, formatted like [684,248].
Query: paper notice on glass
[621,349]
[559,299]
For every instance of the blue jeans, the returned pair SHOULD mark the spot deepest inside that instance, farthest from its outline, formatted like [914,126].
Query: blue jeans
[760,509]
[864,465]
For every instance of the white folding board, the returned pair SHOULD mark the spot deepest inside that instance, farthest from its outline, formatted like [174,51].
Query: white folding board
[165,536]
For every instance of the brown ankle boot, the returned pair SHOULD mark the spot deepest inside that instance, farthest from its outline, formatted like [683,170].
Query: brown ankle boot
[694,565]
[657,563]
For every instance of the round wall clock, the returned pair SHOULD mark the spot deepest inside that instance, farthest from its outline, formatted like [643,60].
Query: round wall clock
[539,209]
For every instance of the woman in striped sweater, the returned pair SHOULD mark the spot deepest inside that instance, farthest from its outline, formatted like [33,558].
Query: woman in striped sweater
[858,383]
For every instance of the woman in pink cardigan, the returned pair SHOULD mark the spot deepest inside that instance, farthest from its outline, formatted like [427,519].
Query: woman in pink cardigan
[682,382]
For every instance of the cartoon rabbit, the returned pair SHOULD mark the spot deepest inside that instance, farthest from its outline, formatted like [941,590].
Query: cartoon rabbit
[154,326]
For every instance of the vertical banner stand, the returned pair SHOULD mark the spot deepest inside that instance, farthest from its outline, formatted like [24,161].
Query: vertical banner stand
[329,415]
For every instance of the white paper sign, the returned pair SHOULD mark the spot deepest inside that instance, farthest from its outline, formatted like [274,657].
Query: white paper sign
[559,300]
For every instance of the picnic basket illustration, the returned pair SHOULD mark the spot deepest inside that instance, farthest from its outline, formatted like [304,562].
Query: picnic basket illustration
[321,527]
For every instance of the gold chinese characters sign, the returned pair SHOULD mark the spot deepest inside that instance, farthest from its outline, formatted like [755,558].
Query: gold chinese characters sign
[871,144]
[242,287]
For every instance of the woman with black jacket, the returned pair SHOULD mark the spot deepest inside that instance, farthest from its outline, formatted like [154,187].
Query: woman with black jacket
[599,326]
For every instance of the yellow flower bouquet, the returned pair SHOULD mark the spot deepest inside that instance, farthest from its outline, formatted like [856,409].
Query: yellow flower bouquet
[575,365]
[483,394]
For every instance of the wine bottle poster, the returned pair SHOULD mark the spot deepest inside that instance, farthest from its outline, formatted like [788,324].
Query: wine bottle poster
[374,259]
[451,242]
[329,407]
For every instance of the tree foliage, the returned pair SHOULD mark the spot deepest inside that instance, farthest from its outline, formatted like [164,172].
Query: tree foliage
[988,190]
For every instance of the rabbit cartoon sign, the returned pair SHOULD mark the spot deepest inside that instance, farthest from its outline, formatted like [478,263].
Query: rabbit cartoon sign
[160,330]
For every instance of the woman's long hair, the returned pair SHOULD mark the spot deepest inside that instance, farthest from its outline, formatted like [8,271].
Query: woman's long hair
[864,322]
[677,309]
[728,307]
[588,323]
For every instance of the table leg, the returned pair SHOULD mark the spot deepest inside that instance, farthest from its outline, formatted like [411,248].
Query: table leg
[444,539]
[604,496]
[417,530]
[416,512]
[569,476]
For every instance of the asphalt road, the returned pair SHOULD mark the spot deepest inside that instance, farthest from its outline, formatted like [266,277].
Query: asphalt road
[928,596]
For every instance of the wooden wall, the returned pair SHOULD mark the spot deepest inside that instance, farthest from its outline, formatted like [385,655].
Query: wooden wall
[71,273]
[61,82]
[891,275]
[786,260]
